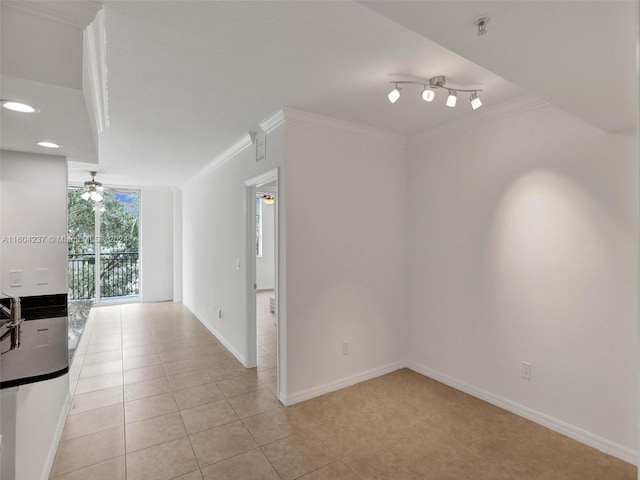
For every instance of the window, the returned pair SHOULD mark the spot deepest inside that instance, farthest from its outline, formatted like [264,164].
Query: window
[258,228]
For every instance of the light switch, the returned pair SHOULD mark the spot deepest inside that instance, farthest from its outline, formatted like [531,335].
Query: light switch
[237,264]
[42,276]
[15,278]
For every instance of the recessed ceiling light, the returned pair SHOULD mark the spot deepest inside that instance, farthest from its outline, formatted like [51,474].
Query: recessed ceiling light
[49,145]
[18,107]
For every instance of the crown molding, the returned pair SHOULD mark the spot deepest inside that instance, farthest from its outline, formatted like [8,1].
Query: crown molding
[333,125]
[95,66]
[45,12]
[273,121]
[515,106]
[239,145]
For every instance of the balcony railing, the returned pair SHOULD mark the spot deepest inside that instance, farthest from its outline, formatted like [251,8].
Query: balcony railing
[119,275]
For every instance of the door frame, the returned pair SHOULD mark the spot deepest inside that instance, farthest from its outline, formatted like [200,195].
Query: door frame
[250,270]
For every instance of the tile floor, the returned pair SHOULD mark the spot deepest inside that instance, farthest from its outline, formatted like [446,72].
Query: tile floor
[157,397]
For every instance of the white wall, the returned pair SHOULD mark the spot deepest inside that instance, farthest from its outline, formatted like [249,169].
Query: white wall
[523,245]
[156,244]
[265,265]
[346,255]
[33,205]
[213,222]
[33,202]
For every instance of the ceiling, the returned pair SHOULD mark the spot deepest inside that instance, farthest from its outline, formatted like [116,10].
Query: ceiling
[185,79]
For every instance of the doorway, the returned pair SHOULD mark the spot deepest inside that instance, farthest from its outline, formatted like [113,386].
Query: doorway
[261,237]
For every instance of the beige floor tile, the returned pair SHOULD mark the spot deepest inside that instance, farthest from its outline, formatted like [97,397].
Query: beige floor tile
[97,399]
[203,339]
[108,356]
[267,338]
[196,475]
[137,341]
[207,416]
[74,373]
[145,373]
[141,361]
[187,365]
[99,382]
[168,345]
[271,425]
[105,337]
[240,384]
[177,355]
[252,403]
[190,379]
[198,395]
[162,462]
[103,368]
[148,388]
[113,469]
[222,442]
[149,407]
[267,362]
[99,348]
[252,465]
[334,471]
[93,421]
[271,348]
[78,360]
[154,431]
[140,351]
[227,370]
[88,450]
[295,456]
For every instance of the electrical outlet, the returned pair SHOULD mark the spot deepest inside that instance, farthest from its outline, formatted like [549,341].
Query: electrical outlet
[525,371]
[220,315]
[345,347]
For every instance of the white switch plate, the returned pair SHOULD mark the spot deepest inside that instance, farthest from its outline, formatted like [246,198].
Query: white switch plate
[237,264]
[525,371]
[42,276]
[345,347]
[15,278]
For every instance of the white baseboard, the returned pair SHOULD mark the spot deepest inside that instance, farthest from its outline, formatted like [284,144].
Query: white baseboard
[571,431]
[56,439]
[338,384]
[222,340]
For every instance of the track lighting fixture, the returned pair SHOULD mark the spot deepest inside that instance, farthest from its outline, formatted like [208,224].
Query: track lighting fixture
[428,91]
[452,98]
[428,95]
[475,101]
[394,94]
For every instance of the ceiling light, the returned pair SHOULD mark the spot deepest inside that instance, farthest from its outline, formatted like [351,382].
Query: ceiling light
[452,98]
[18,107]
[49,144]
[429,88]
[268,199]
[428,94]
[475,101]
[394,94]
[93,189]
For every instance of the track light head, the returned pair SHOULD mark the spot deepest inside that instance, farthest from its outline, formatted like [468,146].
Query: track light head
[394,94]
[428,95]
[475,101]
[452,98]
